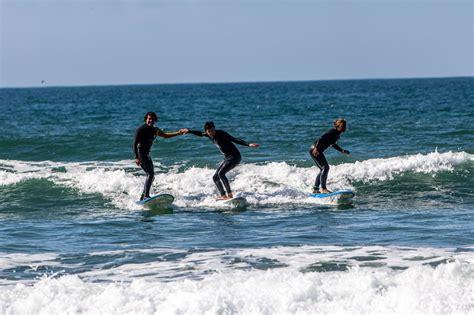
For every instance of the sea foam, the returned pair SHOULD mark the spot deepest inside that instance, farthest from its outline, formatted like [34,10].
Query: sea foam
[271,183]
[291,288]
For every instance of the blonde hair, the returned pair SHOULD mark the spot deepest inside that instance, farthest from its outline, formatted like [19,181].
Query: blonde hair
[339,122]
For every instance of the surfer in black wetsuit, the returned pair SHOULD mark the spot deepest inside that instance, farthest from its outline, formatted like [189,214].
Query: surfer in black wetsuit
[225,143]
[319,146]
[144,137]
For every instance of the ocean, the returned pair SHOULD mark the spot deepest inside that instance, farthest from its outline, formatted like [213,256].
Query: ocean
[73,240]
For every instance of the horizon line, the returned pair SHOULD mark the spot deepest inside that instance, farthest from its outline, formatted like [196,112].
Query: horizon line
[230,82]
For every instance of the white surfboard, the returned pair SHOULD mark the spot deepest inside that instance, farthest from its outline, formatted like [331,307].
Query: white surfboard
[157,201]
[340,197]
[234,203]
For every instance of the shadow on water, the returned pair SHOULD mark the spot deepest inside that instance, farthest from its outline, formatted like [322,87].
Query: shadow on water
[149,214]
[161,211]
[346,207]
[233,211]
[224,210]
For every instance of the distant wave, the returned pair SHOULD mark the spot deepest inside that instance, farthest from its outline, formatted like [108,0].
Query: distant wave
[357,280]
[271,183]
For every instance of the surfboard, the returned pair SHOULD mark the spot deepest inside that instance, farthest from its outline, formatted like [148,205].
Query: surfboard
[339,197]
[234,203]
[157,201]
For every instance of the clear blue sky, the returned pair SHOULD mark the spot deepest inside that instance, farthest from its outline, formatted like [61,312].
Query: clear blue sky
[96,42]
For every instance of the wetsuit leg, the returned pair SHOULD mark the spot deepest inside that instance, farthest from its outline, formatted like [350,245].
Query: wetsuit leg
[323,166]
[147,165]
[217,181]
[220,178]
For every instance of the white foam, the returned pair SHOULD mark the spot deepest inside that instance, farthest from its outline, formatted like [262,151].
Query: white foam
[383,169]
[31,260]
[271,183]
[420,289]
[197,264]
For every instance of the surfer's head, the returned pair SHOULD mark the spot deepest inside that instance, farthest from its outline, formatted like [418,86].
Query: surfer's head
[150,118]
[210,128]
[340,124]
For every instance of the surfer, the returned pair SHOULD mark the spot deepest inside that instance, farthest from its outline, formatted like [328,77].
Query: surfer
[225,143]
[317,153]
[144,137]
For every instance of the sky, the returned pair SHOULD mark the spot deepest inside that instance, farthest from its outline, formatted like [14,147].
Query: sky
[108,42]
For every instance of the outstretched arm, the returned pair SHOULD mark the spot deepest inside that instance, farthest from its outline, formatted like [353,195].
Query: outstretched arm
[242,142]
[195,132]
[161,133]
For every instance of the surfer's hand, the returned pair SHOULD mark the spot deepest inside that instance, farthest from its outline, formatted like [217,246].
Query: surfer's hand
[137,161]
[254,145]
[183,131]
[315,152]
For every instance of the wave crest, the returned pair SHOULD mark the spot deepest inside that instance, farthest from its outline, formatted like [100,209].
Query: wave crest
[271,183]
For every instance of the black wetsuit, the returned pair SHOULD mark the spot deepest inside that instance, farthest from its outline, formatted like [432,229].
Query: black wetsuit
[144,137]
[325,141]
[225,143]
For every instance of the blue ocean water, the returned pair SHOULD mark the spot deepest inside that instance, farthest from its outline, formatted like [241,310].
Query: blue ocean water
[73,240]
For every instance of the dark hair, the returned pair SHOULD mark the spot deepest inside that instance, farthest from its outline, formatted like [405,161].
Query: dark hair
[153,116]
[209,125]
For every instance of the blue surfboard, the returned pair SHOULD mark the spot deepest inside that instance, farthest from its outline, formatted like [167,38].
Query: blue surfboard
[157,202]
[336,197]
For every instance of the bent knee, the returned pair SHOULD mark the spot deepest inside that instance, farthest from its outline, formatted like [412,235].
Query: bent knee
[221,174]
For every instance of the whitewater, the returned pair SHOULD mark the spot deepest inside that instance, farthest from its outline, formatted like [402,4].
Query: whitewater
[260,184]
[406,280]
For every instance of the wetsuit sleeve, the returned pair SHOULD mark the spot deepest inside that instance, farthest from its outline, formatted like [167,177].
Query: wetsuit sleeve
[237,140]
[338,148]
[198,133]
[135,145]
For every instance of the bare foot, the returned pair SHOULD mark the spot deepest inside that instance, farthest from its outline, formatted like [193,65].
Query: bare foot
[316,191]
[325,191]
[230,196]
